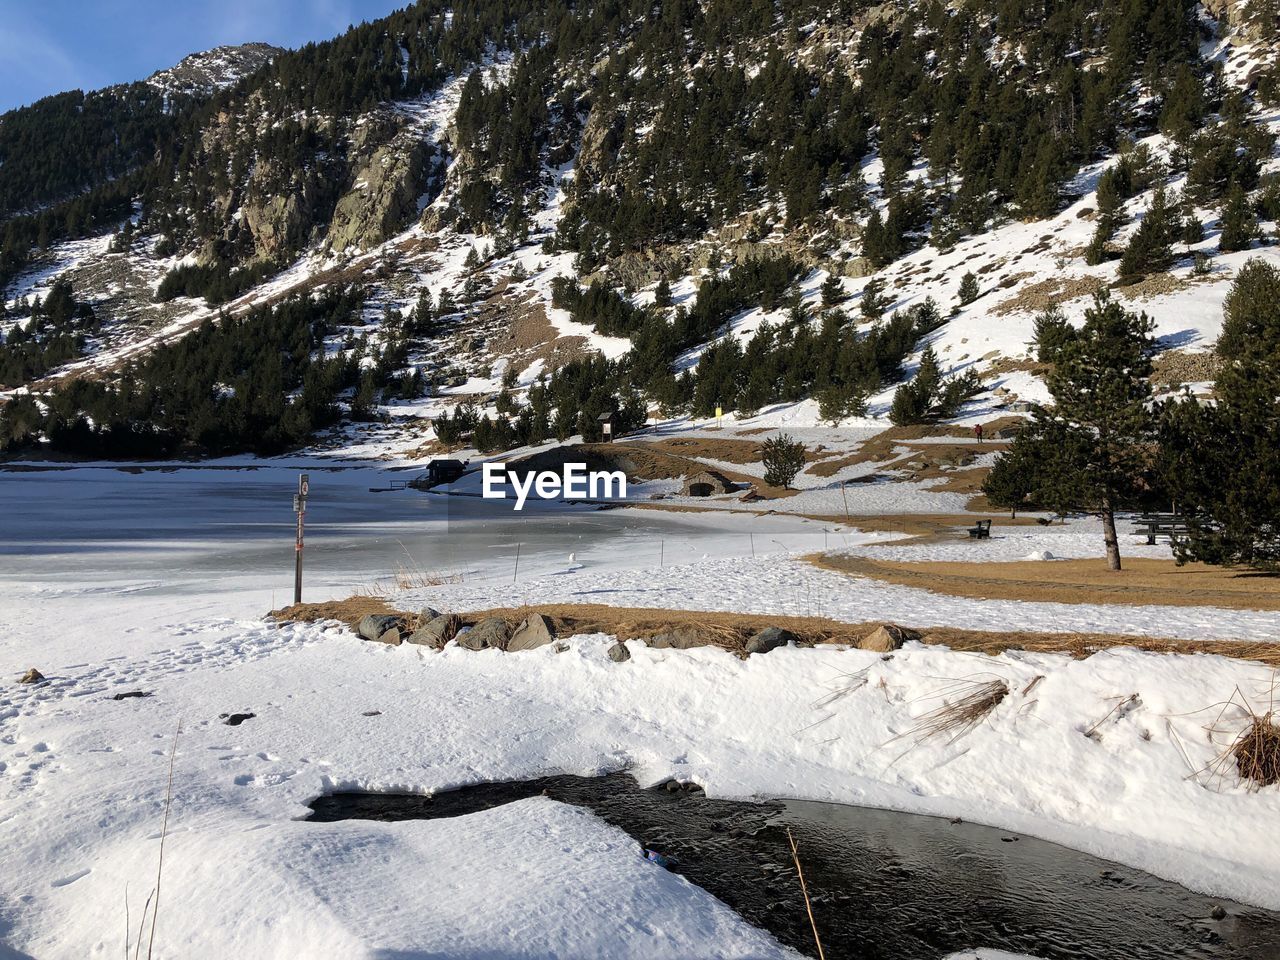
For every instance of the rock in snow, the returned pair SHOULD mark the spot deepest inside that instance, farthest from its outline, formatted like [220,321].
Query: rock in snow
[493,632]
[770,638]
[376,626]
[681,638]
[888,637]
[534,631]
[437,631]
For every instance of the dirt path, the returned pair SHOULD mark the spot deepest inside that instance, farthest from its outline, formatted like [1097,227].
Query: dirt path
[1142,582]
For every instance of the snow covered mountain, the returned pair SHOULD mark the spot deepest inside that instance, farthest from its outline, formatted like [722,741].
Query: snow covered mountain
[208,71]
[773,212]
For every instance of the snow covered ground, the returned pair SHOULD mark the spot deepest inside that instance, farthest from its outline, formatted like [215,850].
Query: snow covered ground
[154,582]
[85,779]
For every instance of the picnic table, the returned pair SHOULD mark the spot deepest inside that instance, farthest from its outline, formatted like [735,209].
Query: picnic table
[1156,525]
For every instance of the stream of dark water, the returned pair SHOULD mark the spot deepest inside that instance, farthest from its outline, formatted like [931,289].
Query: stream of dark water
[884,885]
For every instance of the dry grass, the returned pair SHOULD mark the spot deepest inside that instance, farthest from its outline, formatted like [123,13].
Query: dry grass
[731,630]
[969,702]
[1253,747]
[890,444]
[1142,582]
[712,448]
[1257,750]
[410,575]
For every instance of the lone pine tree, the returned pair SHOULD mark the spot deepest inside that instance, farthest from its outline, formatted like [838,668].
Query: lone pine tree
[1091,448]
[783,458]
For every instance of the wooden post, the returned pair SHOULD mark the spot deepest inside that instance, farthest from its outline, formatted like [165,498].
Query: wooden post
[300,508]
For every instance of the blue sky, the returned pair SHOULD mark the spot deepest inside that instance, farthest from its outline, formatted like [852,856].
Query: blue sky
[47,46]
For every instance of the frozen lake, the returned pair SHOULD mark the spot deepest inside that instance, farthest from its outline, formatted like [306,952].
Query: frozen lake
[222,538]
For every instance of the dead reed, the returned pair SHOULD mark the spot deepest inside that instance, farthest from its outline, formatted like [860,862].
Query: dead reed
[970,702]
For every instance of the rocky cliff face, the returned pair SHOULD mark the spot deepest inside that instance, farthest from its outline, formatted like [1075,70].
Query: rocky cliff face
[387,193]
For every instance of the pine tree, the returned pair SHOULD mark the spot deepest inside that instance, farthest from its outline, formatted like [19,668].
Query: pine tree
[872,305]
[1183,109]
[1012,480]
[362,405]
[1221,463]
[1192,229]
[1052,333]
[783,458]
[1150,249]
[1097,251]
[908,406]
[662,294]
[877,243]
[969,291]
[832,291]
[1093,444]
[1239,222]
[1251,311]
[838,402]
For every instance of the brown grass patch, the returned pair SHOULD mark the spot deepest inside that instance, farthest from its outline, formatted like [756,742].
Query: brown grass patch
[1143,582]
[713,448]
[890,444]
[731,630]
[1035,297]
[884,446]
[1005,365]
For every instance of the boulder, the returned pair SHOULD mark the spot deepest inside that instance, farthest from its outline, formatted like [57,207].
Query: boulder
[493,632]
[534,631]
[32,676]
[857,268]
[375,626]
[681,638]
[392,637]
[770,638]
[887,637]
[619,653]
[436,632]
[427,614]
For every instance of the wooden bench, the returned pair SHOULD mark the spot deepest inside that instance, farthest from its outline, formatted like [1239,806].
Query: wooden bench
[1156,525]
[982,531]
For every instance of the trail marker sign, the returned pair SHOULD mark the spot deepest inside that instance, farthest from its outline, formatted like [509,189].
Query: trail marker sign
[300,508]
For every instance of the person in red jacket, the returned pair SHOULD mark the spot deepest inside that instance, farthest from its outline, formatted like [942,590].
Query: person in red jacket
[977,431]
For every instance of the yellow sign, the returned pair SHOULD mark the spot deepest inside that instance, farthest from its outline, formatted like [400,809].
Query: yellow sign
[719,413]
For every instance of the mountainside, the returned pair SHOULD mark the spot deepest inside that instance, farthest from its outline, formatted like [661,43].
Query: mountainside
[487,224]
[204,73]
